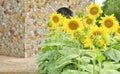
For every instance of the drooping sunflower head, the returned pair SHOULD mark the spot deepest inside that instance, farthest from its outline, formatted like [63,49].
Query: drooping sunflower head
[109,23]
[87,42]
[100,42]
[73,25]
[118,31]
[96,32]
[94,10]
[55,19]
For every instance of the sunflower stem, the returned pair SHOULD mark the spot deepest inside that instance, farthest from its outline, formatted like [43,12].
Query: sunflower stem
[58,38]
[79,52]
[82,54]
[94,63]
[78,55]
[110,40]
[99,67]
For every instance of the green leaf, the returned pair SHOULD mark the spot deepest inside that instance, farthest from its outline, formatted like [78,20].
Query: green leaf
[116,46]
[71,72]
[85,59]
[89,53]
[64,60]
[44,56]
[68,51]
[49,48]
[89,68]
[113,55]
[111,65]
[110,72]
[52,43]
[51,67]
[100,58]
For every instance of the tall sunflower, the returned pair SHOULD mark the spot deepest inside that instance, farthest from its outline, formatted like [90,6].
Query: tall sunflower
[94,10]
[109,23]
[55,19]
[87,42]
[96,32]
[99,42]
[118,31]
[73,25]
[88,22]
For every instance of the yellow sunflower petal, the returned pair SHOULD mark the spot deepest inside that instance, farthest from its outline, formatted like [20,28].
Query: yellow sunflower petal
[73,25]
[88,22]
[118,31]
[55,19]
[94,10]
[98,31]
[88,43]
[109,23]
[101,43]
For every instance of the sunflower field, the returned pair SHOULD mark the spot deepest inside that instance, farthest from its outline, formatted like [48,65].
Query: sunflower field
[78,45]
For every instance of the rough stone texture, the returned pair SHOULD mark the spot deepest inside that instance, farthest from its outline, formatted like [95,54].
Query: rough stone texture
[23,21]
[12,27]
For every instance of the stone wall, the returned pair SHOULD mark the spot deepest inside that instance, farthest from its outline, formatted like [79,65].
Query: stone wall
[12,27]
[22,22]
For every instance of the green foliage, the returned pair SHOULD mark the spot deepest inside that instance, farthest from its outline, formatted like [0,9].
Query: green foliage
[113,55]
[60,55]
[116,43]
[112,7]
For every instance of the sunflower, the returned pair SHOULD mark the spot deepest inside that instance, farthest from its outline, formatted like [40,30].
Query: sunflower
[55,19]
[100,42]
[73,25]
[96,32]
[109,23]
[94,10]
[88,22]
[118,31]
[88,43]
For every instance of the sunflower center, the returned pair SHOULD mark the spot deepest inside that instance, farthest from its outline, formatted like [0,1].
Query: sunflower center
[94,10]
[73,25]
[108,23]
[89,21]
[55,19]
